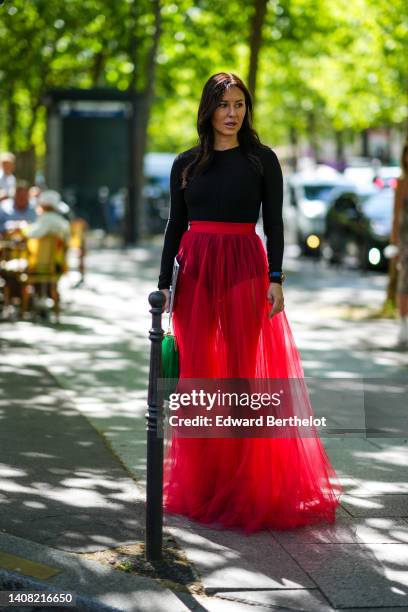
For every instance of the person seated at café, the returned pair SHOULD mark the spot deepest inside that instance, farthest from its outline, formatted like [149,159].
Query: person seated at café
[7,178]
[50,209]
[17,211]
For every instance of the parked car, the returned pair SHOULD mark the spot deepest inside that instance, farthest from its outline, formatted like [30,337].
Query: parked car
[381,176]
[358,229]
[309,193]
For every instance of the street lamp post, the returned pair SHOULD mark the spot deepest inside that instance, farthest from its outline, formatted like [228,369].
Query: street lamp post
[154,483]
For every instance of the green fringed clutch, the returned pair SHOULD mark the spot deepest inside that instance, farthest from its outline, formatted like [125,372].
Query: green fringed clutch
[170,364]
[170,353]
[170,356]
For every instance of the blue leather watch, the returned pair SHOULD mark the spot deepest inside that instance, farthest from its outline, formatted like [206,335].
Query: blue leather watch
[277,277]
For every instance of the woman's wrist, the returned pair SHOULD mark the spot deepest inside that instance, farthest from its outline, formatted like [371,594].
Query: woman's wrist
[163,285]
[277,276]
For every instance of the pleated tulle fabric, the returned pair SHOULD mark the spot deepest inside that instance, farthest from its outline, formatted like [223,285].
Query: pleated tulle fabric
[221,322]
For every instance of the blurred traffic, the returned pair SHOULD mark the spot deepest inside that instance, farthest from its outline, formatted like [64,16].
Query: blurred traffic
[344,218]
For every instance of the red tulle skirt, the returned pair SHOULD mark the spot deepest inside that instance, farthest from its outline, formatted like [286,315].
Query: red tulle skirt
[220,319]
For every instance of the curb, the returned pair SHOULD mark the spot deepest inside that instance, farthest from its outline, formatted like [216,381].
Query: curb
[11,581]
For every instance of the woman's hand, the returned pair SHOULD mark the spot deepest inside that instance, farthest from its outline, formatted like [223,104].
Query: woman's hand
[166,307]
[275,297]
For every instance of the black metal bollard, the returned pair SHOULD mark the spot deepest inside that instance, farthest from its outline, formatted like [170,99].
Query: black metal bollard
[154,484]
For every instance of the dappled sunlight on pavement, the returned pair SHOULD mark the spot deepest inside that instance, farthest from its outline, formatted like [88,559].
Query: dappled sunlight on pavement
[100,354]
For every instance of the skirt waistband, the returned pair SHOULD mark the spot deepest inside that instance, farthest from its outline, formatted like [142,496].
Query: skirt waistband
[222,227]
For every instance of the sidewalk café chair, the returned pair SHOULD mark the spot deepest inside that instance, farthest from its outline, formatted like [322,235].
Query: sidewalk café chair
[77,242]
[46,262]
[13,260]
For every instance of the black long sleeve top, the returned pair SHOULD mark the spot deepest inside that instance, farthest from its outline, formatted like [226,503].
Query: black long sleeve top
[229,190]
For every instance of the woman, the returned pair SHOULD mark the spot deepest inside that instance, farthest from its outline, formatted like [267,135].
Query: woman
[229,321]
[399,237]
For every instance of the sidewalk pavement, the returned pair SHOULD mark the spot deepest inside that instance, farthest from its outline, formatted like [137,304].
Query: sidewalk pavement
[99,356]
[64,494]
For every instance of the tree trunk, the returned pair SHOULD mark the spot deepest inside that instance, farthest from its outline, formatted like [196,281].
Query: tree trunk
[364,143]
[98,68]
[140,123]
[255,42]
[313,136]
[294,143]
[340,156]
[26,164]
[11,123]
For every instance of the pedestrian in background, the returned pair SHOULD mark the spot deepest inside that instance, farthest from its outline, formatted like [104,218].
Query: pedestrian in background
[7,178]
[18,210]
[50,219]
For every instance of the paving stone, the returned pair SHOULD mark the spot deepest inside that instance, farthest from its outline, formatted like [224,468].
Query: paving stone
[342,512]
[391,442]
[357,575]
[350,485]
[382,609]
[381,531]
[227,559]
[347,530]
[370,486]
[299,600]
[377,469]
[347,443]
[363,505]
[215,604]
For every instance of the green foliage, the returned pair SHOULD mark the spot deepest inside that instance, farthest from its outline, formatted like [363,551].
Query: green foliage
[344,64]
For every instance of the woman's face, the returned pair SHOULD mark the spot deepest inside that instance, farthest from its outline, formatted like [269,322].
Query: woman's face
[228,116]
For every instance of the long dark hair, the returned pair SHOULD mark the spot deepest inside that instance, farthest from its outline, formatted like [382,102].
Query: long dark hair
[248,138]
